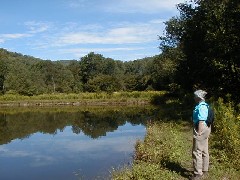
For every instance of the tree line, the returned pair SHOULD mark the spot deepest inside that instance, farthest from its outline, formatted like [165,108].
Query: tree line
[204,42]
[27,75]
[200,49]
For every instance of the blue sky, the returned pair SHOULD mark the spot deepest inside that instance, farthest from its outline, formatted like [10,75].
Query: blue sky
[70,29]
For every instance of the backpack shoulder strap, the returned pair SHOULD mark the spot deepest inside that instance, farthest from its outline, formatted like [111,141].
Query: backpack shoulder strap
[205,104]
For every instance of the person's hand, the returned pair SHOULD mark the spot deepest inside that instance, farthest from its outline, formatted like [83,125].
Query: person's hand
[200,127]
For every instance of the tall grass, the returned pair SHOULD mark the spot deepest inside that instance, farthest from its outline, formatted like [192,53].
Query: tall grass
[84,96]
[160,156]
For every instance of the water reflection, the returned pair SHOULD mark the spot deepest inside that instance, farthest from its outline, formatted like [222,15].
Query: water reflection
[68,143]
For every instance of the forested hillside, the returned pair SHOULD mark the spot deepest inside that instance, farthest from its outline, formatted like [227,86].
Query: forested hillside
[200,49]
[27,75]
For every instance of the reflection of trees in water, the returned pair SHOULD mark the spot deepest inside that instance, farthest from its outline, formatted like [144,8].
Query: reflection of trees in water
[93,123]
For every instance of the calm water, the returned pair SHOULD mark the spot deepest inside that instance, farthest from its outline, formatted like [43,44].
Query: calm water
[68,143]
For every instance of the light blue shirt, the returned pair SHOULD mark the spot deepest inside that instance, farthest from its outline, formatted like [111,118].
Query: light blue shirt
[200,112]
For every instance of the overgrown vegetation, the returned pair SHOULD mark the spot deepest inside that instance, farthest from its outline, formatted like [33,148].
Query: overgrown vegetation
[161,156]
[135,97]
[226,139]
[165,152]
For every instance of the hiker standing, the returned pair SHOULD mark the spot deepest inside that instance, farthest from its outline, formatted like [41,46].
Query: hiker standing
[201,132]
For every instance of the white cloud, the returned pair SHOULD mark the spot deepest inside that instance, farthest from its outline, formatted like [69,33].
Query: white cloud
[76,50]
[98,145]
[80,52]
[37,158]
[91,25]
[123,34]
[37,27]
[157,21]
[142,6]
[14,153]
[14,36]
[76,3]
[127,6]
[42,160]
[33,26]
[5,37]
[120,40]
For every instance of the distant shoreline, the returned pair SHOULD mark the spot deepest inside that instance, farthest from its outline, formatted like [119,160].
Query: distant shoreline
[73,103]
[82,99]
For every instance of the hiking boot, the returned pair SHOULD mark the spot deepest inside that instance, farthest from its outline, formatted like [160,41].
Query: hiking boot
[205,174]
[196,177]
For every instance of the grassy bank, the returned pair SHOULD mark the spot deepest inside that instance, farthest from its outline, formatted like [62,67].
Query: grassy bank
[80,99]
[165,152]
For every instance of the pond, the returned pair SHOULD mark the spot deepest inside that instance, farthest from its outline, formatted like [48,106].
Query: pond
[68,142]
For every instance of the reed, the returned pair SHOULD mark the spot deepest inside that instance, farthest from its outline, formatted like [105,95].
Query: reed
[83,96]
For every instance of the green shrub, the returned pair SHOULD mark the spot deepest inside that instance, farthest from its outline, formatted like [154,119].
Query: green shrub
[226,139]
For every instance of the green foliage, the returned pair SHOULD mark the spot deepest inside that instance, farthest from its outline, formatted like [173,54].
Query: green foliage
[143,171]
[91,65]
[207,33]
[138,74]
[105,83]
[163,71]
[12,97]
[160,156]
[226,134]
[77,85]
[20,78]
[93,73]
